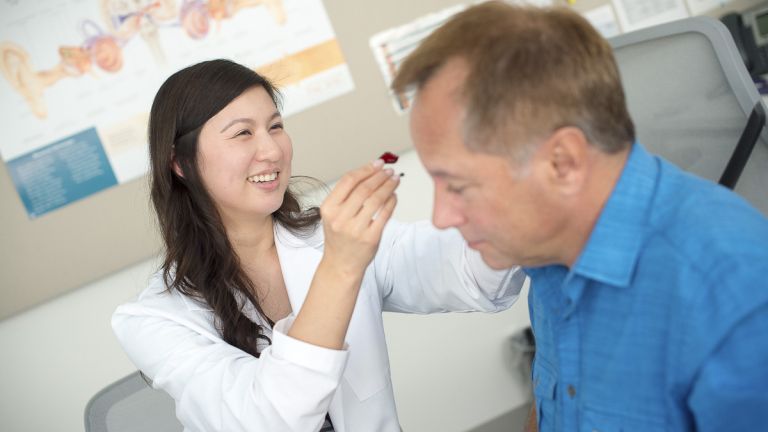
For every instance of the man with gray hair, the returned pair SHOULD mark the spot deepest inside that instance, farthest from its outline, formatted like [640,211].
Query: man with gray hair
[648,298]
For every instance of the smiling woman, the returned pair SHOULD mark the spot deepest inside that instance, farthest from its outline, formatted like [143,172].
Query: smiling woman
[245,156]
[249,323]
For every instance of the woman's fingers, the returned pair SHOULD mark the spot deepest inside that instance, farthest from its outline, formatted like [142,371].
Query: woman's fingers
[350,180]
[377,225]
[372,206]
[354,216]
[362,193]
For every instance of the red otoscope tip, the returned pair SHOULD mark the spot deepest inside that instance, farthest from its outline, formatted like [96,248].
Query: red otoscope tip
[389,157]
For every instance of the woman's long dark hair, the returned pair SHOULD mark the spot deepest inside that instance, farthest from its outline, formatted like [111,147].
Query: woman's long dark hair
[199,260]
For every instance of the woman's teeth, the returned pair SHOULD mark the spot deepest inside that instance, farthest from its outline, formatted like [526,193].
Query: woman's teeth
[262,178]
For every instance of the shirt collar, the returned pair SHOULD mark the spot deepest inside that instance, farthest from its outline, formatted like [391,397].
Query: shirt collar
[613,248]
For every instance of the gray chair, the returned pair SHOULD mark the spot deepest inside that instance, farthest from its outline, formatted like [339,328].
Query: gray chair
[131,405]
[694,103]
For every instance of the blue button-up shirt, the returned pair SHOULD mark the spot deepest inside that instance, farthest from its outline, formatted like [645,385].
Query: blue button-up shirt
[662,322]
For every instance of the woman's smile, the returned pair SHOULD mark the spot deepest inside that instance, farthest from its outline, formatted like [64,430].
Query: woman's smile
[266,182]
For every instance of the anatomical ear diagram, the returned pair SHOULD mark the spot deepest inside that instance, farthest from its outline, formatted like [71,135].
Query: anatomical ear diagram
[102,49]
[195,15]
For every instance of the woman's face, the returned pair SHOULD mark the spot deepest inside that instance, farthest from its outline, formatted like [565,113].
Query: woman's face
[244,157]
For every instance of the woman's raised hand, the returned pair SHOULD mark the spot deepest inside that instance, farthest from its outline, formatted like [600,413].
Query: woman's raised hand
[354,215]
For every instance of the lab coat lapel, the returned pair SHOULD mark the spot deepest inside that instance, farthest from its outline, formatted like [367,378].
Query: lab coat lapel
[299,258]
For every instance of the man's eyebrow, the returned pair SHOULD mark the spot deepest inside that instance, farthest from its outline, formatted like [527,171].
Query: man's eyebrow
[445,175]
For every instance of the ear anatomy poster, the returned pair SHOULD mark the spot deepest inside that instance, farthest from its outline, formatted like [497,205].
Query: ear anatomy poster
[77,78]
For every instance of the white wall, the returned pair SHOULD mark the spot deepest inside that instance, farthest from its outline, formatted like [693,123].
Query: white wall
[55,356]
[451,372]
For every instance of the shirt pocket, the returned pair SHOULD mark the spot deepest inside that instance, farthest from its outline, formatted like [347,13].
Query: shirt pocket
[544,391]
[593,420]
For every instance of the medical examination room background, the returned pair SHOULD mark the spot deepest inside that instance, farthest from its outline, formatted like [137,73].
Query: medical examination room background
[68,260]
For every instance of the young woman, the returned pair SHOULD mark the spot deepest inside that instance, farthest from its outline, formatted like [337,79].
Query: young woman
[266,316]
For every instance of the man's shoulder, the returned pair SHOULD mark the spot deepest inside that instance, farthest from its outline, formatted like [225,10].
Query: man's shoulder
[703,220]
[706,250]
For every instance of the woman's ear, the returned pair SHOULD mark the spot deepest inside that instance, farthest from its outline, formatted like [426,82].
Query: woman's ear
[176,167]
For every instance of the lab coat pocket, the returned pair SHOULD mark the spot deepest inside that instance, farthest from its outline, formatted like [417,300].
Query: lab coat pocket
[594,420]
[367,370]
[544,390]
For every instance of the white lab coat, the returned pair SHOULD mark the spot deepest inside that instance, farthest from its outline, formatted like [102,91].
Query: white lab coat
[292,386]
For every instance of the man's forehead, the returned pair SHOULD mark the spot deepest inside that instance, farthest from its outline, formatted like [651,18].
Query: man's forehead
[447,162]
[446,83]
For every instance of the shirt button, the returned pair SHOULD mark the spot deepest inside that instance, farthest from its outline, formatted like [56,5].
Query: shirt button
[571,391]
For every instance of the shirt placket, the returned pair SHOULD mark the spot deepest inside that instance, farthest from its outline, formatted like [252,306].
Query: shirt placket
[569,340]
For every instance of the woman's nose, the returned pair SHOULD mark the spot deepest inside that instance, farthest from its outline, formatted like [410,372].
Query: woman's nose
[267,148]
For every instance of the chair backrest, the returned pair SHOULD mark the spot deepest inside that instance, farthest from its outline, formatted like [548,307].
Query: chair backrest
[690,96]
[131,405]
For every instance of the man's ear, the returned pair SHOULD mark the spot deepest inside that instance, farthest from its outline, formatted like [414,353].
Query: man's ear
[566,153]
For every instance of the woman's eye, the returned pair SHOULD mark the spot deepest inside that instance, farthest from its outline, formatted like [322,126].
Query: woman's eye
[276,126]
[243,132]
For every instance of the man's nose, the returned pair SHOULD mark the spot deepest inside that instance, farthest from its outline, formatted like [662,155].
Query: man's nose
[445,213]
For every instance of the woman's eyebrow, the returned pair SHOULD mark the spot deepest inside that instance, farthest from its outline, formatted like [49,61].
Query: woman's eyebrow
[274,115]
[238,120]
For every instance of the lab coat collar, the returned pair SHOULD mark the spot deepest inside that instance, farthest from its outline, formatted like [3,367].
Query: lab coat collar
[291,248]
[299,258]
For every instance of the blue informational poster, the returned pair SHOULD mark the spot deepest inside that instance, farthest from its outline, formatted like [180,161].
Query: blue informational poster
[62,172]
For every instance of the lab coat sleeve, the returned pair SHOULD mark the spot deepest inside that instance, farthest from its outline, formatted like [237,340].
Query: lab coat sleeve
[420,269]
[218,387]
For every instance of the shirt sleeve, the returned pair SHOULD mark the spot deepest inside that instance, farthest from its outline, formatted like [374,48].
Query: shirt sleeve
[218,387]
[731,392]
[420,269]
